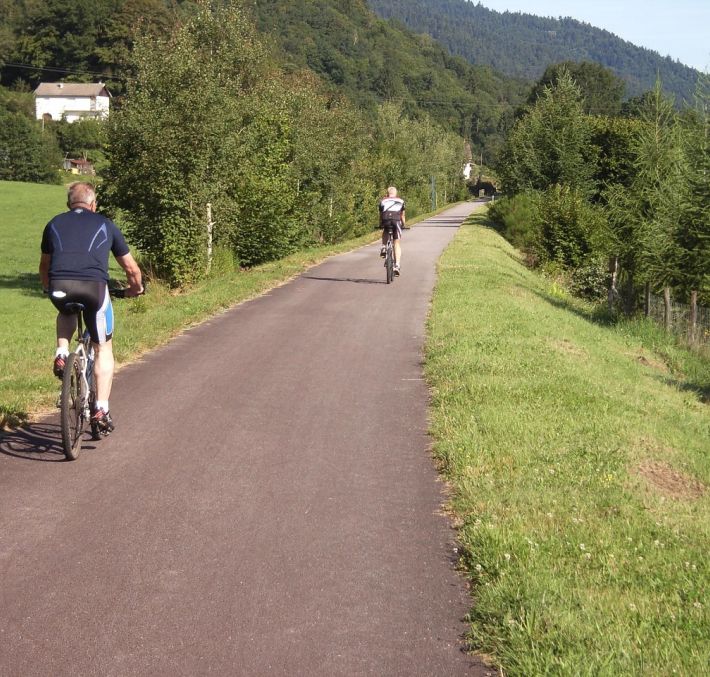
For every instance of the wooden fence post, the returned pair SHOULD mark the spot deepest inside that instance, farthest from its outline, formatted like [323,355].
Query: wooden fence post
[667,308]
[693,316]
[209,236]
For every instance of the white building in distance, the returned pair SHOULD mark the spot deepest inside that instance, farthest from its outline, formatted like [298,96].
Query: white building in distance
[71,100]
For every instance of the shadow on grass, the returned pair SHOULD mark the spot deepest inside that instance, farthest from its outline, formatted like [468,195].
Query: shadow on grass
[600,316]
[27,283]
[702,390]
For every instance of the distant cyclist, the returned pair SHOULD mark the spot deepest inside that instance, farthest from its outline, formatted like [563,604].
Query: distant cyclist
[74,269]
[392,217]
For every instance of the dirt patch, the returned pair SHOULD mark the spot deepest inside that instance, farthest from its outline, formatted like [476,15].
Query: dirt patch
[648,361]
[565,346]
[670,482]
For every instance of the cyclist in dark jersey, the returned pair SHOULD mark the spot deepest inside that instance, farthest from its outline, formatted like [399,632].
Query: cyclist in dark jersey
[392,216]
[74,269]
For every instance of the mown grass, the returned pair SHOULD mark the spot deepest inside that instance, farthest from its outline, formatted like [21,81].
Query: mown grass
[27,387]
[578,462]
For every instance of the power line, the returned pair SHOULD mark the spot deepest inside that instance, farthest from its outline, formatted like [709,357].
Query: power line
[69,71]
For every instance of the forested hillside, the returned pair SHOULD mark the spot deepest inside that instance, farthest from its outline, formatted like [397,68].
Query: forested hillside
[523,45]
[341,40]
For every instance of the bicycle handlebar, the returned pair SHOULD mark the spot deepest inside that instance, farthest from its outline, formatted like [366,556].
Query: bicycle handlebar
[120,292]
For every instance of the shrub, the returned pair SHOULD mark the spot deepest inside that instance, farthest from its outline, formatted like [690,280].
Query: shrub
[515,219]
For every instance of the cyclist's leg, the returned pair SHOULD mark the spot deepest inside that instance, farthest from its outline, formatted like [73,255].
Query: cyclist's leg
[61,292]
[99,322]
[66,326]
[397,234]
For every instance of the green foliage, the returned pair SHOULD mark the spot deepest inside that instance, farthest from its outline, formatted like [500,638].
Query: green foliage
[26,153]
[79,138]
[551,143]
[283,162]
[516,219]
[567,226]
[175,145]
[601,90]
[693,229]
[372,61]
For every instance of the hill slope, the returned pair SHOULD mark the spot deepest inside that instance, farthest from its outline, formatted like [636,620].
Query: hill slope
[372,60]
[523,45]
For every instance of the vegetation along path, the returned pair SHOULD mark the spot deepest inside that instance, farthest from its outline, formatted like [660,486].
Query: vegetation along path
[267,504]
[578,453]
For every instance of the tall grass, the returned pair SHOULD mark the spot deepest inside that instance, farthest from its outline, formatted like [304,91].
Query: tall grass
[578,461]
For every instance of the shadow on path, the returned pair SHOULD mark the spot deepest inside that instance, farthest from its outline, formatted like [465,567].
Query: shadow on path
[343,279]
[36,442]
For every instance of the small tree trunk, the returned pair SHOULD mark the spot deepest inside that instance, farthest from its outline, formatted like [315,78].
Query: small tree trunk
[647,300]
[667,309]
[693,316]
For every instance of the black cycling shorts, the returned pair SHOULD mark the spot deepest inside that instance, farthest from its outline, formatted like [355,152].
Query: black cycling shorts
[395,228]
[94,296]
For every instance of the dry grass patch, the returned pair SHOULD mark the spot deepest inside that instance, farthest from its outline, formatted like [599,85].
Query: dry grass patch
[669,481]
[569,348]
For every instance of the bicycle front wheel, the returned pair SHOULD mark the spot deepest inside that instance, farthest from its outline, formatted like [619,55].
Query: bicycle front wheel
[72,408]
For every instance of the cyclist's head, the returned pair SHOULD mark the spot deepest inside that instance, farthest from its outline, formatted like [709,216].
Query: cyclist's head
[391,192]
[81,193]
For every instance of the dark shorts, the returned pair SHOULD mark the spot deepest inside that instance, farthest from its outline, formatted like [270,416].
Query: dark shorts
[396,231]
[94,296]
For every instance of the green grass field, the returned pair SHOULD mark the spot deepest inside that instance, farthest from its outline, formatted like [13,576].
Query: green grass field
[578,459]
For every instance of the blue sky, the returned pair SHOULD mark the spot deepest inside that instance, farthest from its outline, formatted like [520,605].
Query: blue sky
[679,28]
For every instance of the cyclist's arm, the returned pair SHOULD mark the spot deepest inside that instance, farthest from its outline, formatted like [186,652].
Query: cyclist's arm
[44,262]
[133,274]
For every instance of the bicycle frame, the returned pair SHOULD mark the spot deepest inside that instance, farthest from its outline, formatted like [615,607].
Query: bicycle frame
[389,256]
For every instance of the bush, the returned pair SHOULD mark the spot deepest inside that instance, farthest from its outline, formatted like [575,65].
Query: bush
[590,280]
[515,219]
[567,226]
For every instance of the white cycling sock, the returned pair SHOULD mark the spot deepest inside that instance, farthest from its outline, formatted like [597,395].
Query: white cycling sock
[63,352]
[102,404]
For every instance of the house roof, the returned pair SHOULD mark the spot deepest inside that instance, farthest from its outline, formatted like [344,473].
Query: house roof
[72,89]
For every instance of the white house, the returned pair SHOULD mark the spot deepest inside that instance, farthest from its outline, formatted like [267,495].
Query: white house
[71,100]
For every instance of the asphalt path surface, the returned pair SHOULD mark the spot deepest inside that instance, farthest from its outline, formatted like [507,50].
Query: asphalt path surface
[268,503]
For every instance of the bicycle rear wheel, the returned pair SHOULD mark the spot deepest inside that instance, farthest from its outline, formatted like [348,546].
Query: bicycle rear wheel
[72,408]
[389,265]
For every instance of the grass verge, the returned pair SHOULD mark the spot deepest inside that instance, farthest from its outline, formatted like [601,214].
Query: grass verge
[27,387]
[577,456]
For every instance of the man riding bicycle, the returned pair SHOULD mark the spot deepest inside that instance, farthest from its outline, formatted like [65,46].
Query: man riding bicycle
[392,218]
[73,268]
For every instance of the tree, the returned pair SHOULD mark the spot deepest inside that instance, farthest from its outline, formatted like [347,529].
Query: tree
[26,154]
[551,143]
[602,91]
[179,141]
[693,232]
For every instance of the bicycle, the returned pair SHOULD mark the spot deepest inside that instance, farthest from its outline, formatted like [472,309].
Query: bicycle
[78,394]
[389,256]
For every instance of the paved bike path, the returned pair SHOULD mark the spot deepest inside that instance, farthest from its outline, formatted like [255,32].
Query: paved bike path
[267,505]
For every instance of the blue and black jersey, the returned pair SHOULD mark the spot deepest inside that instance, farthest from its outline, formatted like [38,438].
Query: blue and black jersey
[79,242]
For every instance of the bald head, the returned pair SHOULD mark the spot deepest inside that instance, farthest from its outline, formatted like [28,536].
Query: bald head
[391,192]
[81,194]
